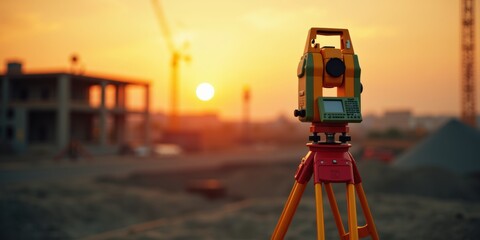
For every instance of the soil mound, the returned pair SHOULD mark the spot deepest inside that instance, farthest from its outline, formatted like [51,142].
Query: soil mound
[453,147]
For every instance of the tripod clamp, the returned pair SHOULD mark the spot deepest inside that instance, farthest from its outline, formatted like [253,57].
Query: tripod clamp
[330,131]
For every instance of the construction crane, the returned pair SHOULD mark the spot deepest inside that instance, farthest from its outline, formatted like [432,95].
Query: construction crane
[176,56]
[468,57]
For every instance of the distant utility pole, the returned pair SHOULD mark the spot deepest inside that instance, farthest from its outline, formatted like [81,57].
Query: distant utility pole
[469,115]
[246,115]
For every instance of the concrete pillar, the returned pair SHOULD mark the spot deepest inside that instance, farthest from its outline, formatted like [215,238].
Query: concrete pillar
[146,117]
[124,96]
[3,108]
[63,111]
[117,96]
[120,96]
[20,141]
[103,115]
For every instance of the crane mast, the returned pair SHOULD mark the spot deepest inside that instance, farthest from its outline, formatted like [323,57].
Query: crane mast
[176,56]
[468,53]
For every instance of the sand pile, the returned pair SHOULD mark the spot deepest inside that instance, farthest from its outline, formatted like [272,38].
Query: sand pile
[453,147]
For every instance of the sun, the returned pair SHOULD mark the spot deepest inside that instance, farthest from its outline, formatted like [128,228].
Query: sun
[205,91]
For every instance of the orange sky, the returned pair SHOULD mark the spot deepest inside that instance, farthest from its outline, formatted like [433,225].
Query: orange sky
[409,50]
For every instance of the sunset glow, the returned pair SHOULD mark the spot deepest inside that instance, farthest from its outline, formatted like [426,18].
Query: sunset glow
[406,53]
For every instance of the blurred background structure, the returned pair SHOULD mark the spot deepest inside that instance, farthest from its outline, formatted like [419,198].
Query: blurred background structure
[45,112]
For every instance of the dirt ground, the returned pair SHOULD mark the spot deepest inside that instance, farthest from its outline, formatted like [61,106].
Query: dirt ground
[425,203]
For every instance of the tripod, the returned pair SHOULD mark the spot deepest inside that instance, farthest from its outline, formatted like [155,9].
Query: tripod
[329,162]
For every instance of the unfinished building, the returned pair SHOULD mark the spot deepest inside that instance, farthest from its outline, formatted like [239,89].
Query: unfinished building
[46,111]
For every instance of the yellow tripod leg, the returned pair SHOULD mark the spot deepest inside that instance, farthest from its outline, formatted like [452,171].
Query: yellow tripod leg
[372,230]
[335,211]
[319,209]
[352,212]
[288,211]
